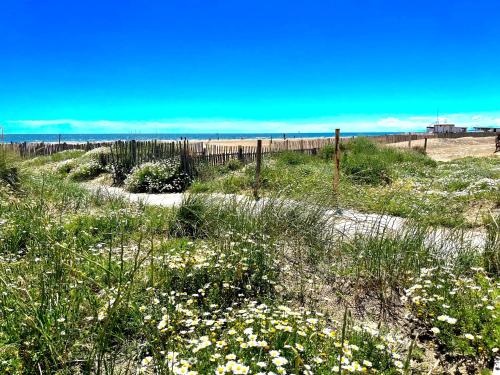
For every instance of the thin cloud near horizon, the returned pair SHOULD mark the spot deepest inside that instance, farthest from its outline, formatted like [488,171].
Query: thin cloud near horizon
[392,123]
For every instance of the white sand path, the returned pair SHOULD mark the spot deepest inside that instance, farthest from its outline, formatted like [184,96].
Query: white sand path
[345,222]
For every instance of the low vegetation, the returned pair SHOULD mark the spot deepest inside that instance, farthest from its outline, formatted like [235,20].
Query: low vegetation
[9,174]
[377,179]
[92,284]
[459,311]
[157,177]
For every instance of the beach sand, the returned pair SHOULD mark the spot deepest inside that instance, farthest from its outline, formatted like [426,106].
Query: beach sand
[441,149]
[250,141]
[446,149]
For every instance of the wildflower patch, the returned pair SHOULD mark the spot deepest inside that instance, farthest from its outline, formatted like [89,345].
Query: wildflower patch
[461,312]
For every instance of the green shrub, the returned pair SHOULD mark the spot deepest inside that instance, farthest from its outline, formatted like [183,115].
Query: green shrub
[158,177]
[233,165]
[189,218]
[293,158]
[8,172]
[87,171]
[361,145]
[366,162]
[365,169]
[327,152]
[389,155]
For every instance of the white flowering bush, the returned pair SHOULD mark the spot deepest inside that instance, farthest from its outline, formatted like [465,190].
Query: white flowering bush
[461,312]
[95,153]
[87,171]
[257,338]
[66,166]
[158,177]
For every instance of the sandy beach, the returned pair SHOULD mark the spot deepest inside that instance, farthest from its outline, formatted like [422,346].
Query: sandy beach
[446,149]
[250,141]
[441,149]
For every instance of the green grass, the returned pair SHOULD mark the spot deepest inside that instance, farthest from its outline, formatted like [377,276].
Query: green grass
[442,300]
[376,179]
[94,284]
[54,158]
[9,173]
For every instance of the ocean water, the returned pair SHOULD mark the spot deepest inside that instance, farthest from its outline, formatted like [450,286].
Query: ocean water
[19,138]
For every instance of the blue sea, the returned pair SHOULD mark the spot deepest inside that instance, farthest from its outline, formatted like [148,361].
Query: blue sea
[19,138]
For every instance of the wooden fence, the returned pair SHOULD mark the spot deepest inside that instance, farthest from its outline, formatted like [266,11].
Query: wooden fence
[137,152]
[125,155]
[33,149]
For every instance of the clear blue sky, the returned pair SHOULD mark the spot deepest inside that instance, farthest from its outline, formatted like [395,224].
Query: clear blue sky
[245,62]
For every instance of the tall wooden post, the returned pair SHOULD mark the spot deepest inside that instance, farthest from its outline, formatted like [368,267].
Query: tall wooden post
[133,152]
[336,174]
[257,169]
[240,153]
[425,144]
[409,140]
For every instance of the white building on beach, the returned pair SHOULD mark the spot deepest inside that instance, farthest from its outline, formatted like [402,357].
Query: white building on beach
[446,128]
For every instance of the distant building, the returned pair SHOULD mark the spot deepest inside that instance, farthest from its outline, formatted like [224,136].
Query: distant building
[487,129]
[446,128]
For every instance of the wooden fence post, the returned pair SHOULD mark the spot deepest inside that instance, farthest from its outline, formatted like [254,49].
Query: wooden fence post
[240,153]
[257,169]
[425,144]
[133,152]
[409,140]
[336,174]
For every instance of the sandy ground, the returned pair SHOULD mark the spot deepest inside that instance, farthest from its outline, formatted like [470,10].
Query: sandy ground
[443,149]
[250,141]
[344,222]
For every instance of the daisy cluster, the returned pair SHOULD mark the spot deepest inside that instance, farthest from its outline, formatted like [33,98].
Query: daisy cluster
[462,312]
[243,264]
[251,337]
